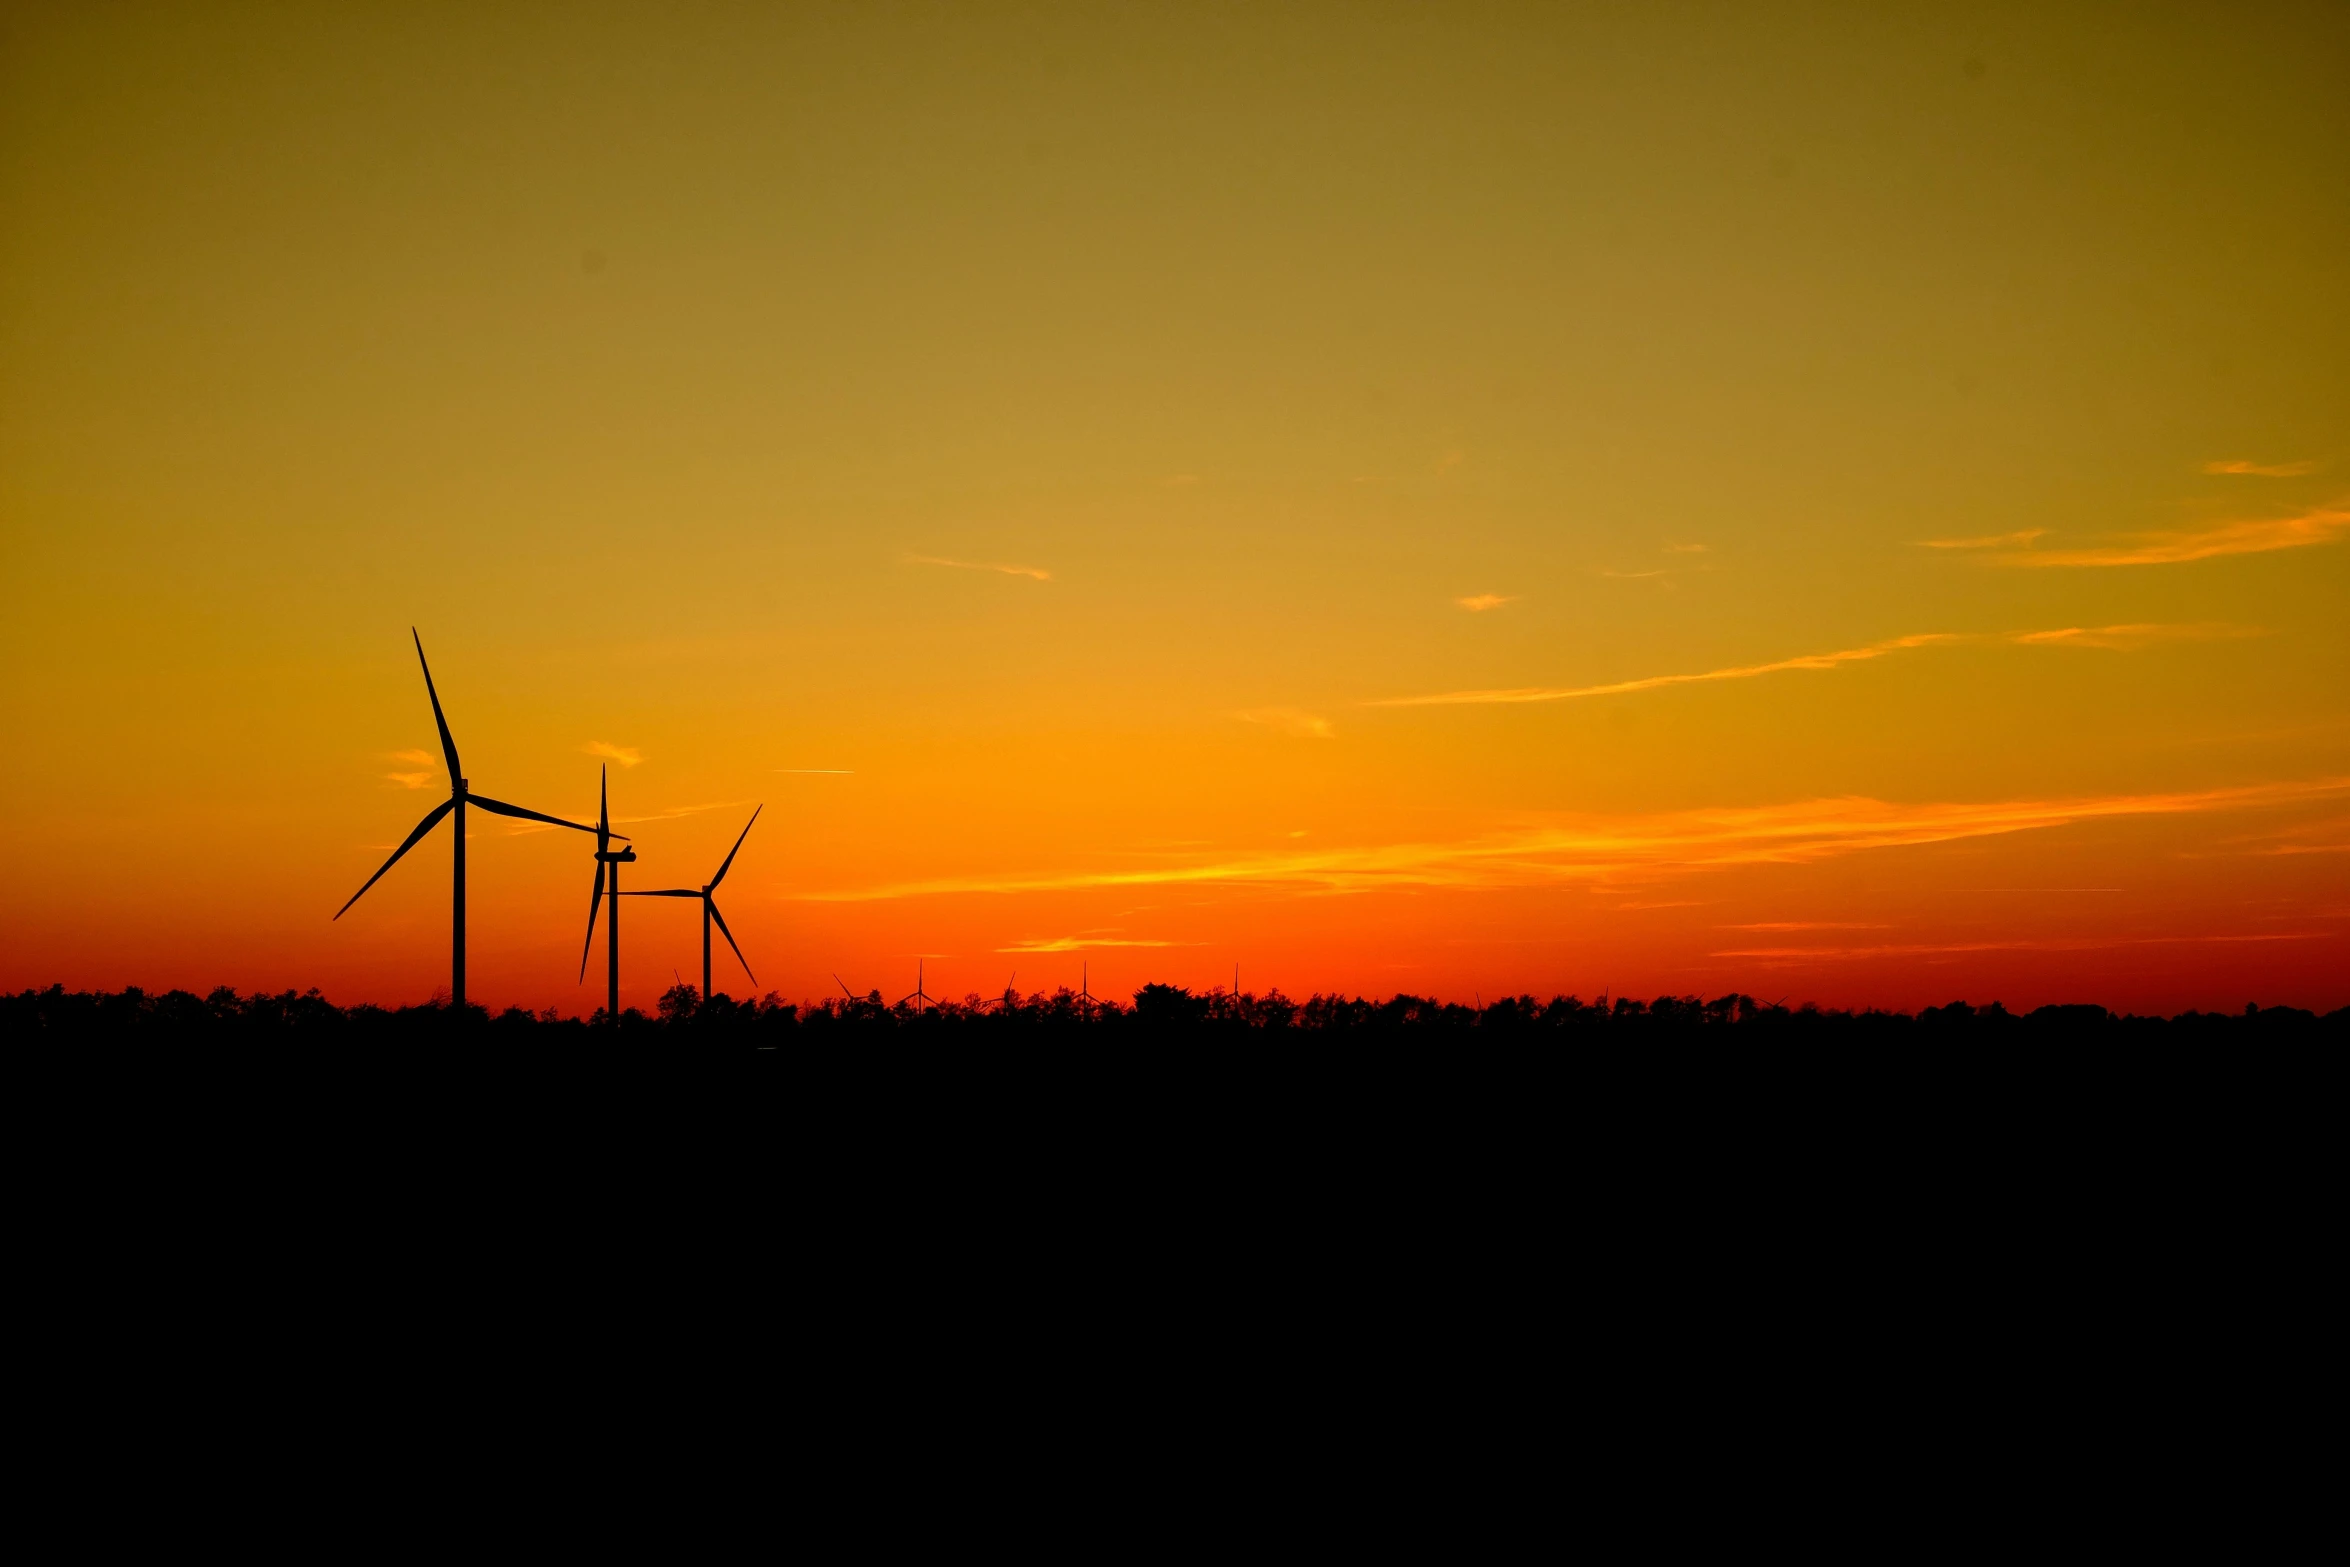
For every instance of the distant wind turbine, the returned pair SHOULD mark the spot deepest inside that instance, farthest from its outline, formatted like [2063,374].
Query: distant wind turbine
[916,995]
[460,795]
[606,857]
[708,893]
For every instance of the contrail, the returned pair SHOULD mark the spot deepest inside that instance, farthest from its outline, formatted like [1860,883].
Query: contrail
[2111,638]
[1742,672]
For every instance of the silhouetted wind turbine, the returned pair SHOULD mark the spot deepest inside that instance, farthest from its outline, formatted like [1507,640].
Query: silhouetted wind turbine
[1009,998]
[916,995]
[460,794]
[708,893]
[606,857]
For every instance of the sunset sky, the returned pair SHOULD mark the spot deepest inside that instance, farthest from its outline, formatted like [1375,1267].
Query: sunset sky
[1849,503]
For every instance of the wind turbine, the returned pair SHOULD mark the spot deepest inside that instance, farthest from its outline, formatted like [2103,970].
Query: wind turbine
[708,893]
[916,995]
[460,795]
[606,857]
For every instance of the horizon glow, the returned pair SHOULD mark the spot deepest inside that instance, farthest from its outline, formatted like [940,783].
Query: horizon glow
[1854,506]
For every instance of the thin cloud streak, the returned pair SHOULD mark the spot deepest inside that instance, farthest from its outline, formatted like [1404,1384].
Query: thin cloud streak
[625,755]
[2253,536]
[1294,722]
[2114,638]
[1084,944]
[1784,955]
[421,760]
[1036,572]
[1742,672]
[1478,603]
[525,829]
[1989,541]
[1595,848]
[2127,639]
[2263,470]
[677,811]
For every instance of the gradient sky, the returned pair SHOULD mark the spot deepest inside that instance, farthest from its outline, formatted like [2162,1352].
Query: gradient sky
[1850,503]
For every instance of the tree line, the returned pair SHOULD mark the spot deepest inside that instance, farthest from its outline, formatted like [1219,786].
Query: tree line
[1155,1011]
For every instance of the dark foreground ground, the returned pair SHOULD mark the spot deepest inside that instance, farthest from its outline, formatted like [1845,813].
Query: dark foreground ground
[1157,1013]
[1670,1160]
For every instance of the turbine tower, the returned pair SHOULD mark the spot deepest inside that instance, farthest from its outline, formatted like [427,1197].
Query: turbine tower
[917,995]
[708,893]
[605,856]
[460,796]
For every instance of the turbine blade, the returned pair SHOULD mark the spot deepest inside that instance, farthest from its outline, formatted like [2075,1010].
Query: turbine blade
[448,746]
[603,804]
[503,809]
[431,820]
[663,892]
[738,952]
[737,849]
[595,902]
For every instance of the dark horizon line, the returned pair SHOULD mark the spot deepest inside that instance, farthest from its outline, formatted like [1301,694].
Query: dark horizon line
[1152,1004]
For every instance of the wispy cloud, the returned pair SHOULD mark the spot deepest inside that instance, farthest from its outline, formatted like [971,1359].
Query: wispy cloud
[1783,956]
[1036,572]
[2126,639]
[1651,682]
[676,811]
[1290,721]
[1988,541]
[1806,925]
[2263,470]
[1478,603]
[625,755]
[1685,549]
[522,829]
[2252,536]
[2118,638]
[1596,848]
[1085,943]
[420,760]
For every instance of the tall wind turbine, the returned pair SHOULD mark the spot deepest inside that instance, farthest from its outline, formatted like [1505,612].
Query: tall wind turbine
[606,856]
[708,893]
[917,995]
[460,795]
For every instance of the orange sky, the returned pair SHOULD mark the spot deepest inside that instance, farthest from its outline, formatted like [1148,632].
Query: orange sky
[1851,506]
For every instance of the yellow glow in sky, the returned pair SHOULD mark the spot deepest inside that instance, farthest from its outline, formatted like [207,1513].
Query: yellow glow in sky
[1849,502]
